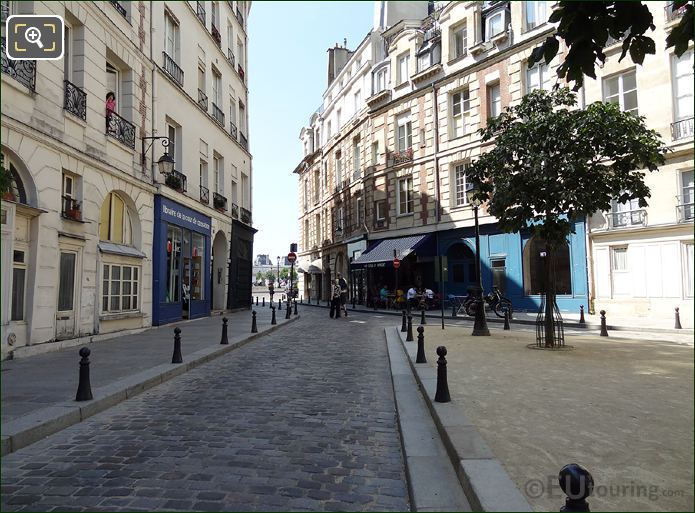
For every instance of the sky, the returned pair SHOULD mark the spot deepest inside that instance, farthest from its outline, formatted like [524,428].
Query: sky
[287,69]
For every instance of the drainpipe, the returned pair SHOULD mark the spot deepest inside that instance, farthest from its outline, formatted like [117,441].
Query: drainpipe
[589,268]
[437,190]
[152,93]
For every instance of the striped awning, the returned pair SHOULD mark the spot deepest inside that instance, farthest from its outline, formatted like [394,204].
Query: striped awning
[383,251]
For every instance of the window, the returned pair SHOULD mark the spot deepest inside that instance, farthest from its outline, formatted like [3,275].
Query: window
[19,272]
[120,288]
[494,100]
[173,281]
[338,169]
[339,221]
[306,233]
[245,191]
[686,202]
[358,101]
[329,132]
[429,54]
[460,109]
[619,271]
[404,133]
[216,87]
[67,52]
[113,82]
[689,271]
[494,25]
[460,185]
[622,89]
[240,53]
[230,38]
[625,214]
[171,36]
[317,228]
[380,209]
[337,119]
[375,153]
[115,223]
[197,285]
[534,255]
[242,117]
[403,63]
[356,159]
[619,259]
[459,42]
[70,202]
[359,211]
[235,192]
[218,169]
[66,281]
[215,14]
[683,87]
[536,14]
[317,186]
[405,196]
[201,76]
[380,81]
[538,77]
[306,194]
[173,132]
[203,169]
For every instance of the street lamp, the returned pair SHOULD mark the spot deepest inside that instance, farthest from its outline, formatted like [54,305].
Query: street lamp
[480,328]
[278,272]
[165,164]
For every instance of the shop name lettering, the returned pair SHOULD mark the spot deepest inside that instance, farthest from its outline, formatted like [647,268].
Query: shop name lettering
[189,219]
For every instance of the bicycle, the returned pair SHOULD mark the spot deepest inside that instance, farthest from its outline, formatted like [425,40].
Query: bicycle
[497,302]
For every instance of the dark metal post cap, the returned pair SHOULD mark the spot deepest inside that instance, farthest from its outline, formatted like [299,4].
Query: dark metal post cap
[441,351]
[602,312]
[678,309]
[177,330]
[576,481]
[420,330]
[85,352]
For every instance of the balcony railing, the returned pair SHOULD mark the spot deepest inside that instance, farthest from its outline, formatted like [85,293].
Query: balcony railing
[23,72]
[394,158]
[625,218]
[240,69]
[119,7]
[672,15]
[120,129]
[204,195]
[217,114]
[176,181]
[216,35]
[233,130]
[682,128]
[230,58]
[173,69]
[245,216]
[244,142]
[219,202]
[235,211]
[75,100]
[200,12]
[685,209]
[71,209]
[202,100]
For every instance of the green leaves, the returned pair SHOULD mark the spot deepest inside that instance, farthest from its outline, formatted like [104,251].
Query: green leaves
[682,34]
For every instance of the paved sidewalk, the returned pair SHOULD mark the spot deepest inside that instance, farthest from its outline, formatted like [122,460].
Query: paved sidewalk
[35,382]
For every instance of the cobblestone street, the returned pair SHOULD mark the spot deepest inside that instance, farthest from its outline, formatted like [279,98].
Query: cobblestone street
[302,419]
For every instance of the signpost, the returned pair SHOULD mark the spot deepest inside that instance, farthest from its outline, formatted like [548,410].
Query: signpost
[396,263]
[292,258]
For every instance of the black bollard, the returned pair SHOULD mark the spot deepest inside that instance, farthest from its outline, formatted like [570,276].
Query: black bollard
[422,317]
[442,393]
[420,345]
[578,484]
[288,310]
[224,339]
[453,311]
[263,302]
[301,300]
[506,319]
[582,321]
[353,303]
[295,307]
[256,300]
[254,328]
[604,330]
[272,319]
[84,387]
[308,299]
[678,319]
[374,304]
[404,323]
[176,357]
[279,305]
[409,336]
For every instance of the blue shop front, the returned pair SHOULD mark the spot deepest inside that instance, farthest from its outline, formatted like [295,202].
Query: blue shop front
[514,263]
[181,263]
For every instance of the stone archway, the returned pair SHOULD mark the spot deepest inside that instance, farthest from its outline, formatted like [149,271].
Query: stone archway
[219,270]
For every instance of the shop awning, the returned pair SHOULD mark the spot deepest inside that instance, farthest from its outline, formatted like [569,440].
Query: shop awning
[310,267]
[383,251]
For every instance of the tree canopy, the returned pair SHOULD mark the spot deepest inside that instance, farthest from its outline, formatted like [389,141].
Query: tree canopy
[552,163]
[585,27]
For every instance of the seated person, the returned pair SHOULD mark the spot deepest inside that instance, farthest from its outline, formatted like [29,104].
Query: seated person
[384,294]
[400,297]
[412,297]
[429,293]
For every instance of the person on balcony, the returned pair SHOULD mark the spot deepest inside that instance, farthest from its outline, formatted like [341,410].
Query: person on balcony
[110,105]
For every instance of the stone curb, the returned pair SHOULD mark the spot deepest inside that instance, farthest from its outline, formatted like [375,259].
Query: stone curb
[35,426]
[527,322]
[485,482]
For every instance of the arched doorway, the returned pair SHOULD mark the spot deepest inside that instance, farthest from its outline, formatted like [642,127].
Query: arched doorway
[219,271]
[461,263]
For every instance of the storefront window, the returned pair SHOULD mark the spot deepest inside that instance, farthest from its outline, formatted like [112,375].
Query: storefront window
[197,259]
[173,281]
[120,288]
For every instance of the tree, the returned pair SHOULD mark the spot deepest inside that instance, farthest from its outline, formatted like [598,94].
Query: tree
[586,26]
[259,276]
[285,274]
[270,276]
[553,163]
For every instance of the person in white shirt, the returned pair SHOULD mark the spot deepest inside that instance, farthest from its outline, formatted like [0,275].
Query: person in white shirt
[411,297]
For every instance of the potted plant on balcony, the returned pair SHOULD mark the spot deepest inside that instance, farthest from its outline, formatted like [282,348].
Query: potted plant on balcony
[219,203]
[74,211]
[6,185]
[174,181]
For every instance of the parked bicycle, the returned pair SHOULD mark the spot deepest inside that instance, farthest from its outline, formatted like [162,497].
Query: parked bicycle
[496,301]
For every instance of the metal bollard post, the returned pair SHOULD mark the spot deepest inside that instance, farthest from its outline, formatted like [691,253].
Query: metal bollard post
[442,393]
[224,339]
[263,302]
[604,330]
[256,300]
[409,336]
[453,311]
[582,321]
[678,319]
[301,300]
[176,357]
[272,319]
[420,345]
[254,328]
[295,307]
[353,302]
[422,317]
[279,305]
[578,484]
[288,310]
[404,323]
[506,319]
[84,387]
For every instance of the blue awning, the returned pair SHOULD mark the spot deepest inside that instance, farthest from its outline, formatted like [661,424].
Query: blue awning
[383,251]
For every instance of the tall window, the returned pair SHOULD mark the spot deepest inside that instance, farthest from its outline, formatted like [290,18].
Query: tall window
[358,101]
[622,89]
[201,76]
[359,211]
[120,288]
[404,133]
[683,86]
[69,193]
[245,191]
[242,117]
[405,196]
[460,185]
[306,233]
[380,80]
[203,173]
[19,274]
[403,63]
[494,100]
[375,152]
[689,271]
[619,270]
[687,199]
[306,194]
[113,83]
[625,214]
[356,158]
[317,186]
[459,41]
[538,77]
[494,25]
[219,174]
[460,108]
[380,208]
[216,88]
[338,169]
[67,51]
[115,224]
[329,131]
[230,38]
[337,119]
[171,36]
[536,14]
[173,132]
[240,53]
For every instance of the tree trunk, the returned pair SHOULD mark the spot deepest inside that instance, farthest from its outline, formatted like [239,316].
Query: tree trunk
[549,296]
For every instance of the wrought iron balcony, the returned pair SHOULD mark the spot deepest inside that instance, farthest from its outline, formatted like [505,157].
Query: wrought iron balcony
[219,202]
[202,100]
[626,218]
[204,195]
[217,114]
[244,142]
[75,100]
[685,209]
[230,58]
[240,70]
[682,128]
[119,7]
[120,129]
[235,211]
[200,12]
[672,15]
[394,158]
[233,130]
[173,69]
[245,216]
[176,181]
[216,35]
[71,209]
[23,72]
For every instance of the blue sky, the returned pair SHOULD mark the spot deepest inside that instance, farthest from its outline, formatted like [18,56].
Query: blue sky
[287,76]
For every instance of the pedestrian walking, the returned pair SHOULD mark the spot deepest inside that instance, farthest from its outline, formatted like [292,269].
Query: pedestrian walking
[343,293]
[271,291]
[335,300]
